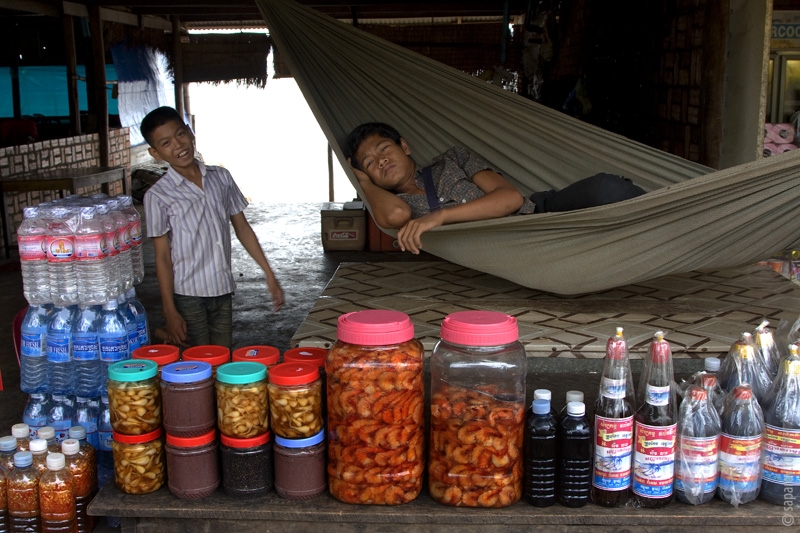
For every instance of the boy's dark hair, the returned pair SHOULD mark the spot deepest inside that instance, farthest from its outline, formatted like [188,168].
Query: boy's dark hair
[156,118]
[360,133]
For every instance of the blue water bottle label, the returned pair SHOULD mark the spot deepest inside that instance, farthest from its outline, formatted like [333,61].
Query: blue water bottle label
[113,349]
[133,339]
[58,347]
[104,439]
[141,326]
[32,344]
[85,347]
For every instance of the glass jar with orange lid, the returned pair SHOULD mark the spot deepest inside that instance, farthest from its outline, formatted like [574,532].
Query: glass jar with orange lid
[295,400]
[210,353]
[313,356]
[162,354]
[375,409]
[268,356]
[139,462]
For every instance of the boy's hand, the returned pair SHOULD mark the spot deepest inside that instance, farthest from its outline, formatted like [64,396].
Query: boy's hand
[360,175]
[409,237]
[176,330]
[276,292]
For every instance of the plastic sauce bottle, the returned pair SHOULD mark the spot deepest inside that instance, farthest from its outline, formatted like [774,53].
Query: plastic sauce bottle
[613,427]
[22,433]
[4,525]
[575,459]
[655,431]
[696,469]
[84,482]
[570,396]
[23,494]
[781,471]
[541,453]
[49,434]
[8,447]
[38,449]
[766,349]
[57,497]
[740,448]
[742,366]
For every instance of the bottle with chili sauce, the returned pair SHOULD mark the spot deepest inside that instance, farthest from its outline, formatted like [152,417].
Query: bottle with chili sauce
[57,497]
[4,526]
[23,494]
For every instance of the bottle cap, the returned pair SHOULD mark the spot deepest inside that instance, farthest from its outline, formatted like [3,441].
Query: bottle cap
[711,364]
[374,327]
[251,442]
[306,354]
[210,353]
[240,373]
[659,349]
[543,394]
[70,446]
[742,392]
[479,328]
[77,432]
[22,459]
[56,461]
[38,445]
[162,354]
[266,355]
[192,442]
[46,433]
[20,431]
[8,443]
[541,407]
[576,409]
[186,372]
[288,374]
[300,443]
[697,393]
[133,370]
[574,396]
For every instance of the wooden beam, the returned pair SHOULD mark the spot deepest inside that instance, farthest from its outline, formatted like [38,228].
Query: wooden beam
[177,65]
[99,88]
[70,53]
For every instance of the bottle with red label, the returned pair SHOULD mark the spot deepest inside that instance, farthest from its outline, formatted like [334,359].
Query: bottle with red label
[780,477]
[60,241]
[655,431]
[698,448]
[32,244]
[613,427]
[740,447]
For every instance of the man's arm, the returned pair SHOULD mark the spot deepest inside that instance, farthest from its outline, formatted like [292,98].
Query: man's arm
[500,199]
[176,326]
[246,235]
[388,210]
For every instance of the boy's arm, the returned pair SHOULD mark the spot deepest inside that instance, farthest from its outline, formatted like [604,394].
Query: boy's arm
[388,210]
[246,236]
[176,326]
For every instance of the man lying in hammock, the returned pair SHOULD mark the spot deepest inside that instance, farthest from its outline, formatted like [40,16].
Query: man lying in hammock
[459,186]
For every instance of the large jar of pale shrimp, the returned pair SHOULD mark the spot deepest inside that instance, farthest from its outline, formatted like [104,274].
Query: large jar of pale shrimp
[375,409]
[478,371]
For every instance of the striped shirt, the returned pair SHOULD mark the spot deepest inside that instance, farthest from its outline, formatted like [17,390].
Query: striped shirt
[198,225]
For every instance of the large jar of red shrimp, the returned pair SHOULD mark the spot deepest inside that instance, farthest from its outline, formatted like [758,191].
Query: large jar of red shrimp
[375,409]
[478,373]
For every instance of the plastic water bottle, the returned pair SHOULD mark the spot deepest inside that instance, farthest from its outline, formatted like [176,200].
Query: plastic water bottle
[60,365]
[113,338]
[139,312]
[105,458]
[135,232]
[575,460]
[697,455]
[91,258]
[60,415]
[86,351]
[112,252]
[32,242]
[33,349]
[740,447]
[541,451]
[130,324]
[86,416]
[60,242]
[35,413]
[122,242]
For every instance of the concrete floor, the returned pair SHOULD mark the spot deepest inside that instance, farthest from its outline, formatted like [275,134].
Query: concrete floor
[290,237]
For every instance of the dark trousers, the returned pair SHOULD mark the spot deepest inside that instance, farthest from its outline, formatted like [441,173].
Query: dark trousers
[600,189]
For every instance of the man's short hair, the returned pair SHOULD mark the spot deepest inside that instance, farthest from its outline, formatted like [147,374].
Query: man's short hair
[360,133]
[156,118]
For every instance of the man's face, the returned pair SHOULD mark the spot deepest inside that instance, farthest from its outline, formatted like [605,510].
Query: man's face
[173,143]
[387,163]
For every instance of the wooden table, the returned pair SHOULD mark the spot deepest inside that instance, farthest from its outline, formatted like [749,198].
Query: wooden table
[65,180]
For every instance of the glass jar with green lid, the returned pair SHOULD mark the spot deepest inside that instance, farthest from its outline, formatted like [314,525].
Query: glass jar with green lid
[134,398]
[242,401]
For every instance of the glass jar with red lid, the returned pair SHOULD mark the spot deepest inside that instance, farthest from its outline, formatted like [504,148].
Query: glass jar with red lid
[192,465]
[295,400]
[266,355]
[210,353]
[162,354]
[375,409]
[247,465]
[312,356]
[138,462]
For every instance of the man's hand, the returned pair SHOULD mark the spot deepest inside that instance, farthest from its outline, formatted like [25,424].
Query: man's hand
[409,237]
[176,330]
[276,292]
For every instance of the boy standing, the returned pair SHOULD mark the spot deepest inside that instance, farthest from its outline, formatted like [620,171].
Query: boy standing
[188,211]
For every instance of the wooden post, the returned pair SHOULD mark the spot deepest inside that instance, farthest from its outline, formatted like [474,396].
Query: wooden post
[70,54]
[330,173]
[99,88]
[177,65]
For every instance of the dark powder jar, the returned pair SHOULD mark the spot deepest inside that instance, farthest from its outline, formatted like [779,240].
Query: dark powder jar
[192,465]
[189,403]
[300,472]
[246,465]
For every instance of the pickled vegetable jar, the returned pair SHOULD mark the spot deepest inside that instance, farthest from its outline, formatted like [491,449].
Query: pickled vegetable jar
[138,462]
[210,353]
[478,371]
[242,402]
[134,398]
[295,400]
[375,409]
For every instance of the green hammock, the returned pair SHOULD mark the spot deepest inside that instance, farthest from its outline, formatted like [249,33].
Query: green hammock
[692,217]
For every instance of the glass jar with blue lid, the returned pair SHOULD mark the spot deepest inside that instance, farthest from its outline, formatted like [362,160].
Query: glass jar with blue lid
[187,394]
[300,472]
[242,400]
[134,399]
